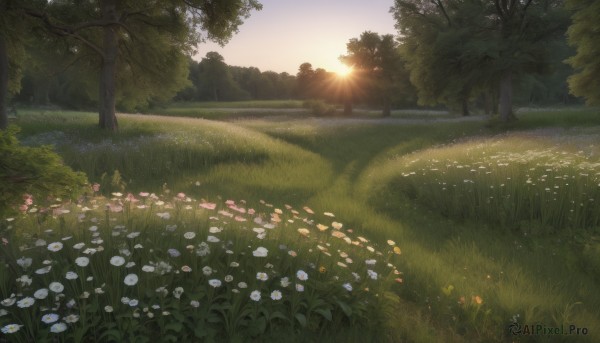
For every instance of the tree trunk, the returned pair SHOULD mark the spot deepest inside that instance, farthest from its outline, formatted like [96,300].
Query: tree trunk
[465,107]
[387,108]
[505,105]
[107,117]
[3,83]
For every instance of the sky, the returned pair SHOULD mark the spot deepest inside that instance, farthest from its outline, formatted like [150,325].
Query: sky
[287,33]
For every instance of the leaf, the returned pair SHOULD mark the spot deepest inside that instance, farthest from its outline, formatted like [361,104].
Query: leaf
[345,308]
[301,319]
[114,333]
[279,315]
[325,312]
[175,326]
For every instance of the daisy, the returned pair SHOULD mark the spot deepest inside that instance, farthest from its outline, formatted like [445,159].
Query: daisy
[215,283]
[301,275]
[70,319]
[212,239]
[44,270]
[260,252]
[108,309]
[255,295]
[148,269]
[56,287]
[131,279]
[58,327]
[26,302]
[41,293]
[117,261]
[71,276]
[276,295]
[242,285]
[78,246]
[186,269]
[299,287]
[133,302]
[11,328]
[228,278]
[207,270]
[189,235]
[262,276]
[24,262]
[50,318]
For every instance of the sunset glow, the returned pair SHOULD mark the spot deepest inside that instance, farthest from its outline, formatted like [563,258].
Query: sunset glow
[343,70]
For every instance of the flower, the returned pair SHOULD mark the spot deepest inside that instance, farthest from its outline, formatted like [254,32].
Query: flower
[242,285]
[372,274]
[299,287]
[56,287]
[260,252]
[276,295]
[56,246]
[215,283]
[70,319]
[131,279]
[148,269]
[207,270]
[41,293]
[234,264]
[50,318]
[390,242]
[26,302]
[24,262]
[174,252]
[301,275]
[82,261]
[347,286]
[228,278]
[117,261]
[189,235]
[71,276]
[397,250]
[11,328]
[371,262]
[108,309]
[262,276]
[133,302]
[78,246]
[186,269]
[195,303]
[58,327]
[212,239]
[178,292]
[164,215]
[285,282]
[255,295]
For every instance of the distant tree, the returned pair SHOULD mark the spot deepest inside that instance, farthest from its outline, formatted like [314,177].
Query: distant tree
[376,66]
[139,48]
[585,36]
[304,80]
[463,47]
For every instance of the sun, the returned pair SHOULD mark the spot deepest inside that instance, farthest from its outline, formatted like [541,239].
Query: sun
[343,70]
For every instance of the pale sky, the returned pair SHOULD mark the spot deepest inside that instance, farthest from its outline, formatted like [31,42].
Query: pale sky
[287,33]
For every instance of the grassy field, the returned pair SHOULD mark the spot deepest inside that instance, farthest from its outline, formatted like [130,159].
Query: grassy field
[494,227]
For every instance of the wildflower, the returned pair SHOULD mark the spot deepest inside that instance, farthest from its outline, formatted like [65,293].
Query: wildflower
[322,269]
[70,319]
[130,264]
[133,302]
[370,262]
[337,225]
[347,286]
[255,295]
[9,301]
[262,276]
[26,302]
[56,246]
[98,290]
[117,261]
[242,285]
[322,227]
[133,234]
[84,295]
[49,318]
[234,264]
[174,252]
[11,328]
[3,312]
[131,279]
[303,231]
[56,287]
[260,252]
[24,262]
[372,274]
[148,269]
[71,276]
[215,283]
[138,246]
[203,249]
[301,275]
[108,309]
[228,278]
[25,280]
[292,253]
[207,270]
[212,239]
[164,215]
[186,269]
[477,299]
[178,292]
[89,251]
[78,246]
[299,287]
[390,242]
[276,295]
[397,251]
[285,282]
[39,243]
[195,303]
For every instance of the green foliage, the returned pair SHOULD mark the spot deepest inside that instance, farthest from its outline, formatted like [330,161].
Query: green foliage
[583,34]
[39,172]
[320,108]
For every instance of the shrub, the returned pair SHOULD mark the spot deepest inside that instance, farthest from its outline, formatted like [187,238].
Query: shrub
[319,108]
[32,172]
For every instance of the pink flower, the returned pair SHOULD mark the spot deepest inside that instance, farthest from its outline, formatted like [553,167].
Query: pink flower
[23,208]
[181,195]
[144,194]
[96,187]
[208,205]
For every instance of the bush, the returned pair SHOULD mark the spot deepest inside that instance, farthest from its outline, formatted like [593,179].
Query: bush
[319,108]
[32,172]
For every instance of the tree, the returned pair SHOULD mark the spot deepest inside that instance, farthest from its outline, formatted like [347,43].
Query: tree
[376,64]
[584,35]
[475,45]
[137,46]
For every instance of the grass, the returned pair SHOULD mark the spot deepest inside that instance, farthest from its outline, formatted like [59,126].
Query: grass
[466,272]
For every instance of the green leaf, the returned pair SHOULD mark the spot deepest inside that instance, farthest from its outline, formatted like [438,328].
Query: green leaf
[279,315]
[176,326]
[301,319]
[345,308]
[325,312]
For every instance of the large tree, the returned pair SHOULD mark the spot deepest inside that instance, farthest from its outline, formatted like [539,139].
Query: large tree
[136,47]
[584,34]
[475,45]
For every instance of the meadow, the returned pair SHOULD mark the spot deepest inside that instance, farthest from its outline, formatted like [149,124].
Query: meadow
[299,229]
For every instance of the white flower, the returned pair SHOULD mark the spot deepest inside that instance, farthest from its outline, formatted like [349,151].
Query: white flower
[370,262]
[133,302]
[133,234]
[70,319]
[131,279]
[372,274]
[164,215]
[50,318]
[108,308]
[207,270]
[9,301]
[299,287]
[40,243]
[25,280]
[56,246]
[148,269]
[212,239]
[234,264]
[41,293]
[189,235]
[177,292]
[301,275]
[186,269]
[89,251]
[24,262]
[117,261]
[262,276]
[260,252]
[195,303]
[11,328]
[56,287]
[78,246]
[58,327]
[347,286]
[276,295]
[125,300]
[138,246]
[215,283]
[71,276]
[228,278]
[255,295]
[215,229]
[3,312]
[285,282]
[242,285]
[43,270]
[26,302]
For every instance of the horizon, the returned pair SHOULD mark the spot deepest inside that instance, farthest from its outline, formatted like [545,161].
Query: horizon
[281,30]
